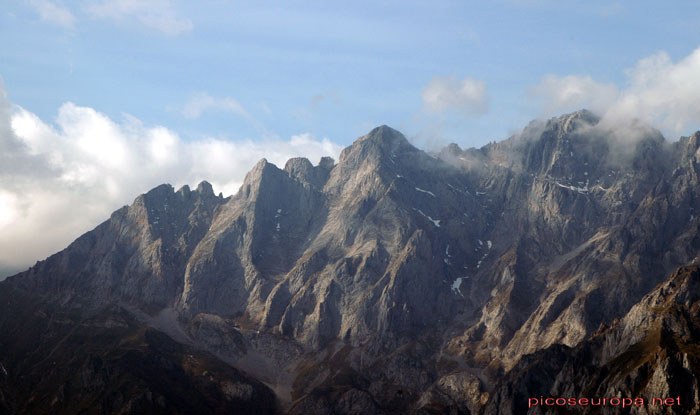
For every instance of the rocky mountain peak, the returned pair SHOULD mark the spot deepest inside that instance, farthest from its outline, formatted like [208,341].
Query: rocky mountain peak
[184,190]
[263,171]
[381,142]
[298,166]
[453,149]
[553,147]
[259,167]
[695,139]
[386,135]
[159,192]
[568,123]
[689,147]
[204,189]
[371,164]
[301,169]
[153,199]
[326,162]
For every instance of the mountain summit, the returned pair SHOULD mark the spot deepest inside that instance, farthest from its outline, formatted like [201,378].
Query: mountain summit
[392,281]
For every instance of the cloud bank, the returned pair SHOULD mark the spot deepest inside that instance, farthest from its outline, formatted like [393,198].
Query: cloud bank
[60,180]
[467,96]
[658,91]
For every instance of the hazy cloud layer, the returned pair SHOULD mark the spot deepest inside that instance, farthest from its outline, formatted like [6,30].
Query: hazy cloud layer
[156,14]
[202,102]
[467,96]
[53,13]
[160,15]
[58,181]
[658,91]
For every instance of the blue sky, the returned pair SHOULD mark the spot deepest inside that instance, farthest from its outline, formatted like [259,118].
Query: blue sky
[102,100]
[333,69]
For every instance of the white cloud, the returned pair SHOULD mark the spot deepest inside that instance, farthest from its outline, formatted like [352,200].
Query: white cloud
[658,91]
[58,181]
[53,13]
[574,92]
[202,102]
[156,14]
[468,96]
[662,92]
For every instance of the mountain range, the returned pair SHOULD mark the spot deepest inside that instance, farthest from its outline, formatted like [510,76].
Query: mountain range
[560,263]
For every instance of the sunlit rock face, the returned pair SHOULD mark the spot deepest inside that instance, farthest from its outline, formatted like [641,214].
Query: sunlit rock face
[392,281]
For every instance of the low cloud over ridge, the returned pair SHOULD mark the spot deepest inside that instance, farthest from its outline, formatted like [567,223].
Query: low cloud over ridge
[658,91]
[58,181]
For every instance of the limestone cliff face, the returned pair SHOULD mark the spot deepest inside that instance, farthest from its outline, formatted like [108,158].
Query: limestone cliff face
[395,281]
